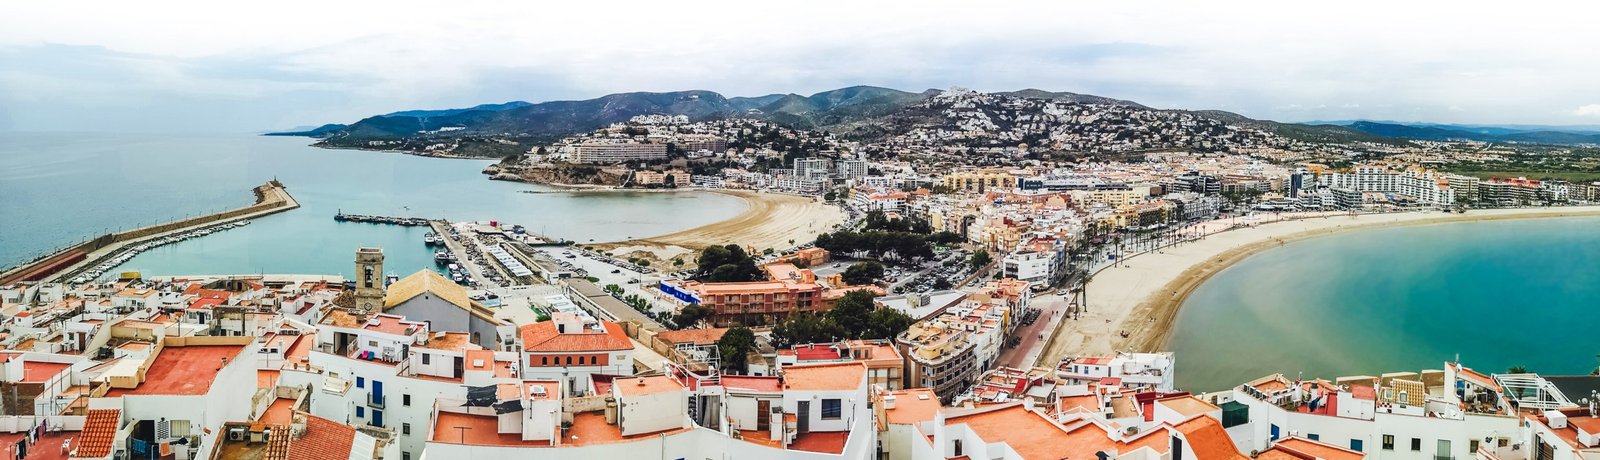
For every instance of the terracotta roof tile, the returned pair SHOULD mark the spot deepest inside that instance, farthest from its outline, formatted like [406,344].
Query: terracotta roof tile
[99,432]
[542,337]
[323,440]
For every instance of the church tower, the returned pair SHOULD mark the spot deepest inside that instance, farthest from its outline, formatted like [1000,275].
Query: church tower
[369,279]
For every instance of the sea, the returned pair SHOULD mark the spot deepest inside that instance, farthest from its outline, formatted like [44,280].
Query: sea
[1493,295]
[58,189]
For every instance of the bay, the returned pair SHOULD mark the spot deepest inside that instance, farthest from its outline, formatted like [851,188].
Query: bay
[60,188]
[1496,293]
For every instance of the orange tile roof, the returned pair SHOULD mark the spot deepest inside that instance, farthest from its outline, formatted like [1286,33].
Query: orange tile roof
[1298,448]
[187,370]
[824,442]
[323,440]
[825,376]
[1208,440]
[1034,436]
[642,386]
[280,412]
[910,408]
[1188,406]
[99,432]
[542,337]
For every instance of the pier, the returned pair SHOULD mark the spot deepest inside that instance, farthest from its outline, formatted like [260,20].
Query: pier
[362,218]
[96,253]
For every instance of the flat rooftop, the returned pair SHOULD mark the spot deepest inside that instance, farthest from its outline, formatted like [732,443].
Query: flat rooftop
[482,430]
[186,370]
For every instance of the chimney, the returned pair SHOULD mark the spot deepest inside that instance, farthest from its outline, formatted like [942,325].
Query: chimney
[888,401]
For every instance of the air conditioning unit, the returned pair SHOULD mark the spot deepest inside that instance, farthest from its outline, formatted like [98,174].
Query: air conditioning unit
[236,434]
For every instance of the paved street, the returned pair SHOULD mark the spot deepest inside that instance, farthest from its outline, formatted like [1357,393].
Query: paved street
[1052,308]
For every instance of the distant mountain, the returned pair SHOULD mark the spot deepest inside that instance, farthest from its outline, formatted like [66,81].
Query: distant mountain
[447,112]
[1483,133]
[838,107]
[320,131]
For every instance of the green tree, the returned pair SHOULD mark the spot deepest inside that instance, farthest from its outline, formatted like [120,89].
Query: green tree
[852,313]
[726,264]
[804,327]
[735,346]
[1517,370]
[863,273]
[980,258]
[886,323]
[690,315]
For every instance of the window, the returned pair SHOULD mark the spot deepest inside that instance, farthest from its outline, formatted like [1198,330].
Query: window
[1442,449]
[1355,445]
[361,382]
[405,428]
[569,360]
[544,361]
[1416,444]
[405,456]
[1177,448]
[1388,442]
[425,357]
[1472,445]
[405,400]
[830,409]
[1314,437]
[1275,432]
[361,411]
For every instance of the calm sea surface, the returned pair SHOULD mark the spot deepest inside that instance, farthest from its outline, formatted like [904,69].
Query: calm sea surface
[1499,294]
[58,189]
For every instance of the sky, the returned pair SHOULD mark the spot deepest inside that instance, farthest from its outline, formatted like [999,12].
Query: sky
[208,66]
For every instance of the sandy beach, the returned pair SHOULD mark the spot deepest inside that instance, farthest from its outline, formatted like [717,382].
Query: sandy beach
[1141,295]
[770,220]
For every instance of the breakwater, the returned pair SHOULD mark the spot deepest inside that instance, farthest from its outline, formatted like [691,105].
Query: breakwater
[271,198]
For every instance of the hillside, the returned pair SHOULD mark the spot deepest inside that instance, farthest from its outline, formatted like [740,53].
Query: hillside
[1058,121]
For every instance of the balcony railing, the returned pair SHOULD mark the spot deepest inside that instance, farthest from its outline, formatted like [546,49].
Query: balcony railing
[375,400]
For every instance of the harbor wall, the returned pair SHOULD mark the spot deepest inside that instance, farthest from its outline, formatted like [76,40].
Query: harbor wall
[271,197]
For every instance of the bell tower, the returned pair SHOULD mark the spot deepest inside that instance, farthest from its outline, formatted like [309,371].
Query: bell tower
[369,279]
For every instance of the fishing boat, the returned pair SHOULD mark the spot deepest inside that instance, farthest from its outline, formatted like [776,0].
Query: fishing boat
[441,257]
[430,239]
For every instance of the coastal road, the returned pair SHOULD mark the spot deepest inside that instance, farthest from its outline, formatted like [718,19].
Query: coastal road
[1052,308]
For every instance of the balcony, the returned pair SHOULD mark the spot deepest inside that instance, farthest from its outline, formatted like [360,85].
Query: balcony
[375,401]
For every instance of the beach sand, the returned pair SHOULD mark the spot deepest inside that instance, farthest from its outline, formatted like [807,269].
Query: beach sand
[1142,294]
[770,220]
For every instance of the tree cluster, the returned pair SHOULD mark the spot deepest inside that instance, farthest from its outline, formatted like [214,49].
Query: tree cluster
[722,264]
[863,273]
[855,316]
[878,244]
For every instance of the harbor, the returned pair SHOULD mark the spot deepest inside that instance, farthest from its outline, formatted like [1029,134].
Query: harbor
[361,218]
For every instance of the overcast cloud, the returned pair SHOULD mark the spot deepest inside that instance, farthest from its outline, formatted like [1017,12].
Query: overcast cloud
[222,66]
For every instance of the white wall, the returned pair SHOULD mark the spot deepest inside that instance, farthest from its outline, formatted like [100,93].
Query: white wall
[653,412]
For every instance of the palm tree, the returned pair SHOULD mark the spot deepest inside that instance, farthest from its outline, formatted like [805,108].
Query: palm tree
[1517,370]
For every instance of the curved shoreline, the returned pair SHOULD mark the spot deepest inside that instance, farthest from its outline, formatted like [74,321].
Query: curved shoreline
[1143,294]
[769,220]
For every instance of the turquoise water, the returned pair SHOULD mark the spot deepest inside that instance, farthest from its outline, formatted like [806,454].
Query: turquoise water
[58,189]
[1499,294]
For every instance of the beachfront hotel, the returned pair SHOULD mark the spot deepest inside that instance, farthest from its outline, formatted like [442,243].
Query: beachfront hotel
[617,152]
[788,289]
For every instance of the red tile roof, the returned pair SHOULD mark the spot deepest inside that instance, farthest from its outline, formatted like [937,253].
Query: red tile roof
[99,431]
[323,440]
[1208,440]
[542,337]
